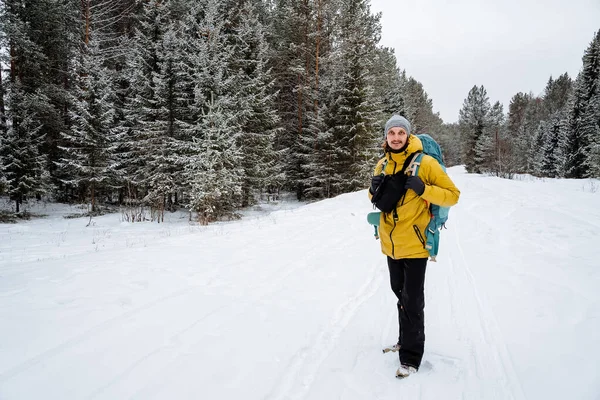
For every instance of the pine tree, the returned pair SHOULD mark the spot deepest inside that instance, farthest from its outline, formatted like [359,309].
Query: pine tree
[472,122]
[3,129]
[388,85]
[590,126]
[580,129]
[547,150]
[556,95]
[539,140]
[145,148]
[24,166]
[528,140]
[516,140]
[214,171]
[174,83]
[419,108]
[590,121]
[300,35]
[549,164]
[486,153]
[354,118]
[252,86]
[41,38]
[450,142]
[88,143]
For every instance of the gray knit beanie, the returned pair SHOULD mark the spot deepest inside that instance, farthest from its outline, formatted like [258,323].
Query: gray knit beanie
[397,121]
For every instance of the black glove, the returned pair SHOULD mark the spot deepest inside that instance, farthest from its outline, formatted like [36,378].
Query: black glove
[415,183]
[375,182]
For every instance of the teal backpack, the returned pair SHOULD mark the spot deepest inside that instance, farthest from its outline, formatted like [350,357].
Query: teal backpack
[439,215]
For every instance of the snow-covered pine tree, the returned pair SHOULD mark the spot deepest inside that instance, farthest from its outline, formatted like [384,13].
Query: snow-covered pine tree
[472,122]
[320,166]
[419,108]
[486,154]
[28,113]
[40,38]
[553,110]
[449,140]
[3,125]
[24,166]
[548,164]
[174,83]
[516,112]
[3,180]
[144,158]
[87,144]
[214,172]
[315,146]
[113,24]
[580,129]
[388,84]
[590,126]
[354,119]
[516,139]
[529,143]
[254,98]
[538,141]
[293,60]
[556,95]
[590,121]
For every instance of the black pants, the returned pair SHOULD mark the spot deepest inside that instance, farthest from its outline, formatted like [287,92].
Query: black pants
[407,277]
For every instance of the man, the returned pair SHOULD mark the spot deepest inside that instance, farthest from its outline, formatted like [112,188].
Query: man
[402,233]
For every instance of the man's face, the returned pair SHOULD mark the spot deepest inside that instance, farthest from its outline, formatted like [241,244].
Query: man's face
[396,138]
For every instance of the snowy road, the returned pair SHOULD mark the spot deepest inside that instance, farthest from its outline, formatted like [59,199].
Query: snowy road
[296,304]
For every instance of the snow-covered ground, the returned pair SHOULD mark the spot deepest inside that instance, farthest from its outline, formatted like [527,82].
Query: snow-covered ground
[294,303]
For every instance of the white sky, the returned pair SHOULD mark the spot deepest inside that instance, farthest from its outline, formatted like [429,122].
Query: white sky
[508,46]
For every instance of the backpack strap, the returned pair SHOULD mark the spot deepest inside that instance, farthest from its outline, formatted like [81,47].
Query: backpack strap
[415,163]
[407,164]
[383,165]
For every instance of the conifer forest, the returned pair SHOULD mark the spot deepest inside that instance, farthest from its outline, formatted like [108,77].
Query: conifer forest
[213,105]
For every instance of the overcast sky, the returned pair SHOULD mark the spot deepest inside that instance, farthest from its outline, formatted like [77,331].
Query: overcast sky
[508,46]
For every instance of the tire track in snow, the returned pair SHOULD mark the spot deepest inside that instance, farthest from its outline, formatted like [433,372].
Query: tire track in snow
[489,328]
[300,374]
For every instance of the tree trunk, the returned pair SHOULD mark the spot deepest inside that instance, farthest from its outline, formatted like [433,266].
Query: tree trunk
[93,197]
[299,105]
[13,64]
[317,49]
[3,126]
[318,44]
[85,8]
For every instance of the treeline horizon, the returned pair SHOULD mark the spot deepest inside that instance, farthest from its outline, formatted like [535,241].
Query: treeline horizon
[212,104]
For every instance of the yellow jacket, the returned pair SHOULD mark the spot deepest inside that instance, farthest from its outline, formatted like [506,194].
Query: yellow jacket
[397,229]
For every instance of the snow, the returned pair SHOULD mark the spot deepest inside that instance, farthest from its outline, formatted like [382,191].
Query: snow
[293,302]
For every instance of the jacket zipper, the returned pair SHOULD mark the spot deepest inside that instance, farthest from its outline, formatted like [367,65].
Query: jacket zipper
[419,235]
[394,215]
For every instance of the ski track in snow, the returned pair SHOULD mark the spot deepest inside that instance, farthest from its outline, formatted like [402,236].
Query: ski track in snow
[487,325]
[272,284]
[307,361]
[86,335]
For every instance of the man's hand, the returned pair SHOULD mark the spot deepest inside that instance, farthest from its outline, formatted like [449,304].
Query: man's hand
[415,183]
[375,182]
